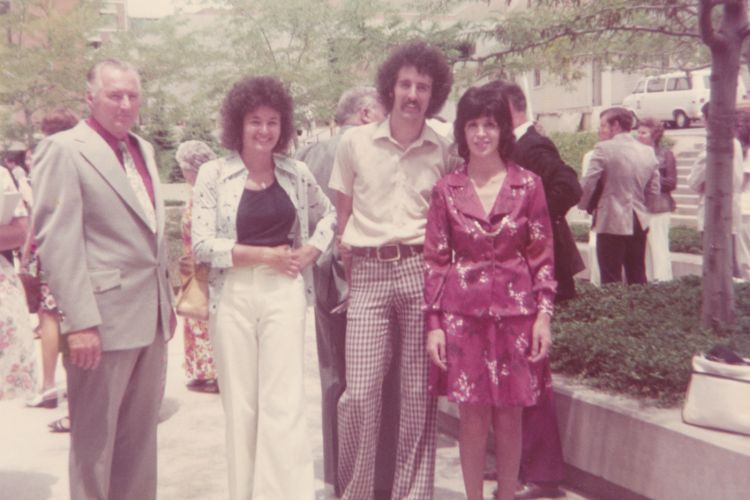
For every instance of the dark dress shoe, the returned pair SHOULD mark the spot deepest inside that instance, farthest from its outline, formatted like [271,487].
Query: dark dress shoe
[538,490]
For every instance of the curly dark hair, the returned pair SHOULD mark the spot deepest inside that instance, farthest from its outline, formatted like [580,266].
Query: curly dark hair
[249,94]
[478,102]
[428,60]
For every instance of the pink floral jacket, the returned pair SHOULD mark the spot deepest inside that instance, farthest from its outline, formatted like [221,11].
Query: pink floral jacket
[495,266]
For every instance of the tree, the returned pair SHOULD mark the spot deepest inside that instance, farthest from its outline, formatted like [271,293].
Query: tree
[560,35]
[43,55]
[724,28]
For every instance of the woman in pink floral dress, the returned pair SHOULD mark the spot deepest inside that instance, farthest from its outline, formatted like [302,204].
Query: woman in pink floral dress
[17,356]
[489,289]
[199,361]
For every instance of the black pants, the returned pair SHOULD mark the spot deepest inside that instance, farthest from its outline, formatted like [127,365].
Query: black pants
[616,251]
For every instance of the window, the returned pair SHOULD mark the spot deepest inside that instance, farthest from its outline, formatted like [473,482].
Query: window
[537,78]
[678,83]
[655,85]
[639,87]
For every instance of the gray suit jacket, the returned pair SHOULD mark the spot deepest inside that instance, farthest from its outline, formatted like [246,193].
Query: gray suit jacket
[629,172]
[104,265]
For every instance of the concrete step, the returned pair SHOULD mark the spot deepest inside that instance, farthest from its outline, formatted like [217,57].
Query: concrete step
[686,210]
[688,155]
[685,198]
[678,219]
[685,193]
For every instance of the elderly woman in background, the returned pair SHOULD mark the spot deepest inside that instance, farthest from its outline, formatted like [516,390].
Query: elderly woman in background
[55,121]
[17,358]
[199,356]
[252,217]
[658,260]
[489,289]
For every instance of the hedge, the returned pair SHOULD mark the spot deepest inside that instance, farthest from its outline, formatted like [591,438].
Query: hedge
[572,147]
[681,238]
[639,340]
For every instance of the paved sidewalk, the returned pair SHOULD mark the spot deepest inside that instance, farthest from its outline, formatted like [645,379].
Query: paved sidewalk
[33,461]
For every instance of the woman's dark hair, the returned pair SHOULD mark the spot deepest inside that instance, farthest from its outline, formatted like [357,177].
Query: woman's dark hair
[248,95]
[57,120]
[428,60]
[478,102]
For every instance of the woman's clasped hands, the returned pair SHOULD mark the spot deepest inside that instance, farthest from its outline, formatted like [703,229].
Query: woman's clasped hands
[290,261]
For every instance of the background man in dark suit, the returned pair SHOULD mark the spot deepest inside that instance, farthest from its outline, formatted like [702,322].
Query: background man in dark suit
[542,467]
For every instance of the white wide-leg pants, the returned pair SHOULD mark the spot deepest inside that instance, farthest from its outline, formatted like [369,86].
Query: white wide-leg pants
[658,258]
[258,338]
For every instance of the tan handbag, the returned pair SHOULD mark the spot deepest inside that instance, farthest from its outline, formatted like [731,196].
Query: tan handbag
[718,396]
[192,300]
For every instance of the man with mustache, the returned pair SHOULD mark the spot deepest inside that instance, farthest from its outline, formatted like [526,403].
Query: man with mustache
[357,106]
[383,174]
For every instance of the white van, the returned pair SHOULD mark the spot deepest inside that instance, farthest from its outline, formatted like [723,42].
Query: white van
[674,98]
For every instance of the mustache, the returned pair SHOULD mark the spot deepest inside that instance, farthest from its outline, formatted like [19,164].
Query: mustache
[411,102]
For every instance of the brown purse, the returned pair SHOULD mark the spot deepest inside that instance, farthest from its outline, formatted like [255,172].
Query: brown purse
[192,299]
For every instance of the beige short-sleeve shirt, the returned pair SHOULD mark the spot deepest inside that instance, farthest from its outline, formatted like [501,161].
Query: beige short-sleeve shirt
[390,185]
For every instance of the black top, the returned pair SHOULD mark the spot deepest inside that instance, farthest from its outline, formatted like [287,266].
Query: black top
[265,217]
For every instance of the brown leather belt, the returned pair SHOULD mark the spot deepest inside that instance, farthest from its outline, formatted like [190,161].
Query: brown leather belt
[388,253]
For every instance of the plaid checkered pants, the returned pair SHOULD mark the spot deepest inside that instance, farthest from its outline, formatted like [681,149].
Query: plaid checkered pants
[379,291]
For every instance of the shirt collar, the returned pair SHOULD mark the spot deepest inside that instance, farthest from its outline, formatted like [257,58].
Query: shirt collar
[522,129]
[428,135]
[235,165]
[460,177]
[106,135]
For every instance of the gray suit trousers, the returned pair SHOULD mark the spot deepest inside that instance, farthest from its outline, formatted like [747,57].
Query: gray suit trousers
[113,412]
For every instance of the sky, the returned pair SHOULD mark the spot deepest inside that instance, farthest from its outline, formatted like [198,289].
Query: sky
[160,8]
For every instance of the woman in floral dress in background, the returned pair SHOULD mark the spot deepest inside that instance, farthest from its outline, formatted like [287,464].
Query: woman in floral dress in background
[17,356]
[489,289]
[199,360]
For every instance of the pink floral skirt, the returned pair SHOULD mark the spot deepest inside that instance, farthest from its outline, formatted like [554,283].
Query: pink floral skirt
[488,362]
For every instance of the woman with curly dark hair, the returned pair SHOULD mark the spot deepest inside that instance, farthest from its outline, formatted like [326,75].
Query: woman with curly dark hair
[252,214]
[489,289]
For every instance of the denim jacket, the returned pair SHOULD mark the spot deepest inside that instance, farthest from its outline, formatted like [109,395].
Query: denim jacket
[216,197]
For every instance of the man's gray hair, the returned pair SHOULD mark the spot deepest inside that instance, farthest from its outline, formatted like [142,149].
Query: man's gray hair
[190,155]
[354,100]
[93,77]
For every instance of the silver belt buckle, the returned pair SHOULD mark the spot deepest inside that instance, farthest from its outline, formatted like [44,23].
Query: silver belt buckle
[388,259]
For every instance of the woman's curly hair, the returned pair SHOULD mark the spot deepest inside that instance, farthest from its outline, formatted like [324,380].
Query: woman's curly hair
[249,94]
[484,101]
[428,60]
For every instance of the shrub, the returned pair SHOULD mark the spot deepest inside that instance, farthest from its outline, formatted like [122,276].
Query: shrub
[580,231]
[681,238]
[639,340]
[685,239]
[573,146]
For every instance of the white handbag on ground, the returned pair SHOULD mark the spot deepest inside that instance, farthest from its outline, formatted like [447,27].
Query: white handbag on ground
[718,396]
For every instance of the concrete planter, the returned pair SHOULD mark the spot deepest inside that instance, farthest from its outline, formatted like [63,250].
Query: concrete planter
[616,448]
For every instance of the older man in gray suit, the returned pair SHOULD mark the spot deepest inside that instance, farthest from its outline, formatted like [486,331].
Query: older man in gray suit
[99,220]
[622,174]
